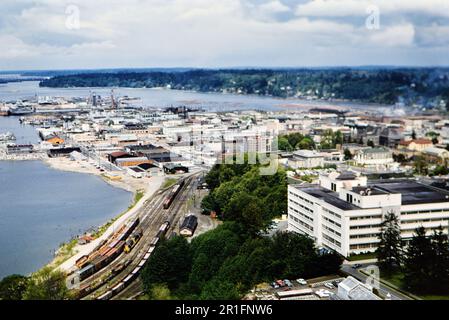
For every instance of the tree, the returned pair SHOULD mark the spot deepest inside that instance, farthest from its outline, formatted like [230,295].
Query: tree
[348,154]
[421,166]
[338,138]
[283,144]
[418,263]
[440,266]
[440,170]
[399,158]
[414,134]
[305,143]
[248,210]
[13,287]
[370,143]
[160,292]
[389,251]
[169,264]
[220,289]
[435,140]
[47,284]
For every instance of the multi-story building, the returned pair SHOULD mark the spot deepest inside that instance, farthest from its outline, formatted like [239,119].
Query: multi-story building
[344,212]
[417,145]
[374,156]
[306,159]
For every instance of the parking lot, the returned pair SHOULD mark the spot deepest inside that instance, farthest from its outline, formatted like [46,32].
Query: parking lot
[298,289]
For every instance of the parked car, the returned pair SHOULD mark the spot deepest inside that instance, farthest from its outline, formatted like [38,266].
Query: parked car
[288,283]
[280,283]
[275,285]
[323,293]
[329,285]
[356,266]
[336,282]
[301,281]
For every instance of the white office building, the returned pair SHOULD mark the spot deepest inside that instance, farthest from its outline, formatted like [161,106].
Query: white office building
[344,211]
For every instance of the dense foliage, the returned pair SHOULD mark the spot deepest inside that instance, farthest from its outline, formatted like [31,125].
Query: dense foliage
[424,262]
[240,193]
[13,287]
[411,85]
[45,284]
[227,262]
[426,265]
[295,141]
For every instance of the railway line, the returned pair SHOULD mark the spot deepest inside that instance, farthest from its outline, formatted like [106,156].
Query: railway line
[127,265]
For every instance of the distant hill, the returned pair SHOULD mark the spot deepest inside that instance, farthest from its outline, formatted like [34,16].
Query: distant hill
[428,87]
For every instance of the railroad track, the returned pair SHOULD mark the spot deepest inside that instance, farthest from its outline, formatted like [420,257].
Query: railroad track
[152,216]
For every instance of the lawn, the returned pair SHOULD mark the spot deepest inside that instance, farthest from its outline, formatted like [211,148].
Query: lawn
[362,256]
[169,182]
[397,279]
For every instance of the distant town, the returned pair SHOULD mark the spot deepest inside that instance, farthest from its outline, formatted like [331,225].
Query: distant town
[345,178]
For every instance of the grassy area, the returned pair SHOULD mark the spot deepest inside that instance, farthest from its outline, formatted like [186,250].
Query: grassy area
[397,279]
[137,197]
[64,252]
[433,297]
[169,182]
[362,256]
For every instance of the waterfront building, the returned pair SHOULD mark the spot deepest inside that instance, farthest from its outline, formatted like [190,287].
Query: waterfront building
[344,211]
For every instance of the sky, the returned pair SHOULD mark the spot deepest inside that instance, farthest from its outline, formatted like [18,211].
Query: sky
[87,34]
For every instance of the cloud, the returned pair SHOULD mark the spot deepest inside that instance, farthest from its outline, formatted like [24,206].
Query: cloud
[210,33]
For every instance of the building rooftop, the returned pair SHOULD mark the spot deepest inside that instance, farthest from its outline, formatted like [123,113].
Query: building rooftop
[327,196]
[416,141]
[412,192]
[375,150]
[346,175]
[373,191]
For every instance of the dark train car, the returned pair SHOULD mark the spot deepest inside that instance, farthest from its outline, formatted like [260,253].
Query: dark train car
[86,272]
[173,193]
[132,241]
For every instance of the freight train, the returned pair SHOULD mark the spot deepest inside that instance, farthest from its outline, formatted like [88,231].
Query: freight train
[106,252]
[132,241]
[130,277]
[173,193]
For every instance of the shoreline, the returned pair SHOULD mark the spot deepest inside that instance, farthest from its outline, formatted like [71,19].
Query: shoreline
[68,252]
[126,183]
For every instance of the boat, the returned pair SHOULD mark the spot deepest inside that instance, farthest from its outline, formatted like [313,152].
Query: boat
[19,111]
[7,137]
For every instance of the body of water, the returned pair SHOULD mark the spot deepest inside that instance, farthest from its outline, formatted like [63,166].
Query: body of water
[166,98]
[42,207]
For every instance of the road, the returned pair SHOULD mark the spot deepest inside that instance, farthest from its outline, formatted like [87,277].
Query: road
[152,216]
[383,289]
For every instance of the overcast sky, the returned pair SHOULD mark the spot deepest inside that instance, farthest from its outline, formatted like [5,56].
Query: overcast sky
[47,34]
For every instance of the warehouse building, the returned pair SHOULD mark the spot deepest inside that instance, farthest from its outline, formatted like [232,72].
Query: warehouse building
[344,211]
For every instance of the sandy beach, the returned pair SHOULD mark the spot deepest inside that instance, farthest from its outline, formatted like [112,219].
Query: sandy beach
[125,182]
